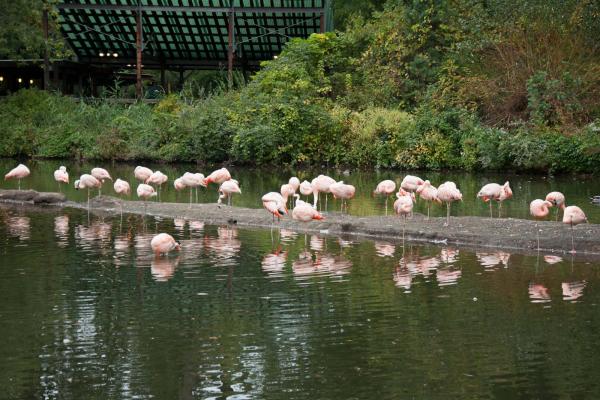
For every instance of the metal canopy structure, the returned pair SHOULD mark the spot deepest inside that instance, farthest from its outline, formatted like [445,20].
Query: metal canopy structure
[187,34]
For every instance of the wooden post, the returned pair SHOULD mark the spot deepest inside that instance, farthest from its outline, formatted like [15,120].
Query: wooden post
[46,59]
[230,50]
[138,50]
[322,22]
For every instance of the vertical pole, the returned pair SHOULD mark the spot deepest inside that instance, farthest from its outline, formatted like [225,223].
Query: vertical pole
[46,60]
[322,22]
[138,50]
[163,80]
[230,50]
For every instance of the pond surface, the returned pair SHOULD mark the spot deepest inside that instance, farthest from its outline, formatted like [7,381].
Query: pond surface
[88,313]
[256,182]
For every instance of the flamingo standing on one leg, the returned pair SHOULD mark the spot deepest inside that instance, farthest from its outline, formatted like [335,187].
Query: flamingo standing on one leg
[145,192]
[193,181]
[295,182]
[573,215]
[504,195]
[178,184]
[494,191]
[411,183]
[88,182]
[386,187]
[428,192]
[122,188]
[18,173]
[403,206]
[448,192]
[61,175]
[558,200]
[218,176]
[306,188]
[273,202]
[163,243]
[227,189]
[287,191]
[304,212]
[343,191]
[101,174]
[539,209]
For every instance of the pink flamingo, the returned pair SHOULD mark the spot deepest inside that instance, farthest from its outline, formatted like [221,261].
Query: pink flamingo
[122,188]
[101,174]
[178,184]
[163,243]
[448,192]
[558,200]
[193,181]
[494,191]
[145,192]
[295,182]
[321,184]
[304,212]
[273,202]
[88,182]
[287,191]
[573,215]
[343,191]
[157,178]
[386,187]
[18,173]
[218,176]
[428,192]
[61,175]
[306,188]
[403,206]
[227,189]
[411,183]
[142,173]
[539,209]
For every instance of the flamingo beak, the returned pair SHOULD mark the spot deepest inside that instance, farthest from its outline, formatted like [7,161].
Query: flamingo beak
[177,247]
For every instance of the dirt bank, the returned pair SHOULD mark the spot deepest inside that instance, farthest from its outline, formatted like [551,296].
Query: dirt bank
[476,232]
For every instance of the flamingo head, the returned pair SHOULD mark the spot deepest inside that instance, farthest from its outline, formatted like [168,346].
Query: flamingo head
[77,184]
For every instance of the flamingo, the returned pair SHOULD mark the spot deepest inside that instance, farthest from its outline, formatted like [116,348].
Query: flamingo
[494,191]
[539,209]
[411,183]
[157,178]
[273,202]
[142,173]
[404,203]
[18,173]
[428,192]
[341,190]
[321,184]
[61,175]
[573,215]
[218,176]
[88,182]
[193,181]
[386,187]
[227,189]
[179,185]
[145,192]
[558,200]
[295,182]
[163,243]
[101,174]
[122,188]
[304,212]
[287,191]
[448,192]
[306,188]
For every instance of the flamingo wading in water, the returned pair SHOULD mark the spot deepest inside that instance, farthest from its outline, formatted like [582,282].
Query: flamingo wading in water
[163,243]
[122,188]
[145,192]
[558,200]
[61,175]
[88,182]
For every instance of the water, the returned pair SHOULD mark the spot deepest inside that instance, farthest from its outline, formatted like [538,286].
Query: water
[88,312]
[256,182]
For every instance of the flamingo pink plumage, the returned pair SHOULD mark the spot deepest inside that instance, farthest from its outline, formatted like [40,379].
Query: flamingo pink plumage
[539,209]
[558,200]
[306,188]
[163,243]
[386,187]
[448,192]
[88,182]
[227,190]
[429,193]
[321,184]
[573,215]
[142,173]
[61,175]
[18,173]
[273,202]
[343,191]
[218,176]
[304,212]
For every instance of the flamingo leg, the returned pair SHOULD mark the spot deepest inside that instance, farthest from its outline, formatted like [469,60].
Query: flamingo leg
[491,216]
[88,205]
[499,209]
[428,208]
[191,189]
[572,240]
[386,202]
[447,213]
[19,184]
[538,235]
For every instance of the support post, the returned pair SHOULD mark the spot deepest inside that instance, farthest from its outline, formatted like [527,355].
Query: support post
[163,80]
[46,58]
[230,28]
[322,22]
[138,50]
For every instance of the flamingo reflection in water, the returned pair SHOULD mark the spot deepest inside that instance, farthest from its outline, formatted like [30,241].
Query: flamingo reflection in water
[273,263]
[493,259]
[538,293]
[549,259]
[61,230]
[226,246]
[163,269]
[19,227]
[571,291]
[384,249]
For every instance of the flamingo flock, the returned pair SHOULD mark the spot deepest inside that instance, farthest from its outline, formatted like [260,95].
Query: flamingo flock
[289,196]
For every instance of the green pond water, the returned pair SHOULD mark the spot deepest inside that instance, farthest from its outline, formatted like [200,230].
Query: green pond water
[256,182]
[88,312]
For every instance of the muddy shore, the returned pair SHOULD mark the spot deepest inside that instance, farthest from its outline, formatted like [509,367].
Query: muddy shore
[471,232]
